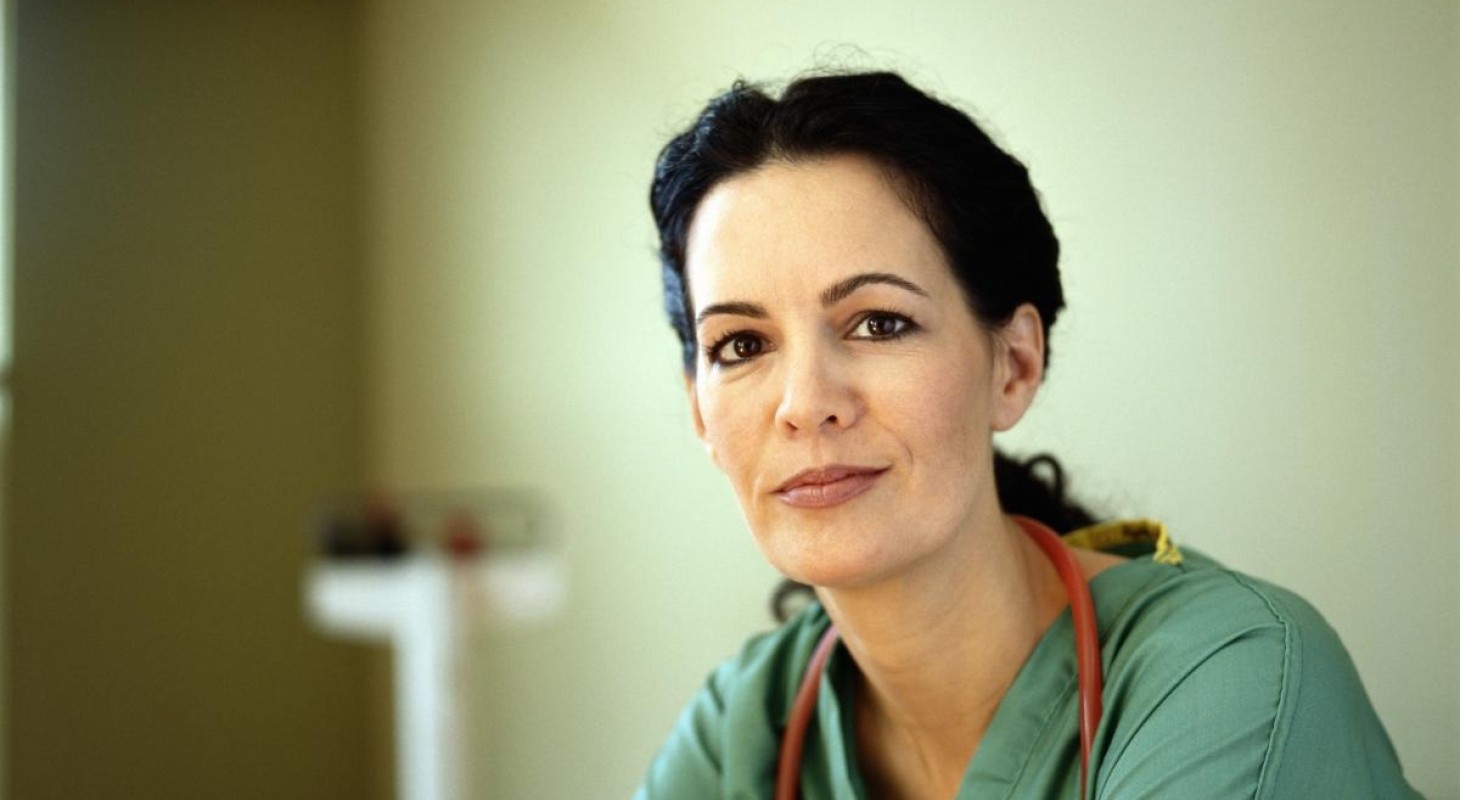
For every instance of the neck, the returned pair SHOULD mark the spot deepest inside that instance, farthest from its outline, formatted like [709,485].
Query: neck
[937,647]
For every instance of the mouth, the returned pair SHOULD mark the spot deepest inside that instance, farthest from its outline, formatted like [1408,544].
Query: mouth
[822,487]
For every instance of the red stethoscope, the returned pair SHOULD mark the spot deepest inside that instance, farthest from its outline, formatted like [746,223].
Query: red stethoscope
[1087,657]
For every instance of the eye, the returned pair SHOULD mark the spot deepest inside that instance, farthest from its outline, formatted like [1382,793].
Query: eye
[882,325]
[734,348]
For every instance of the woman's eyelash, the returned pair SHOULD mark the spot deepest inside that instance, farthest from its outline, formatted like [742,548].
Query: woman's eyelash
[904,323]
[712,347]
[715,350]
[755,344]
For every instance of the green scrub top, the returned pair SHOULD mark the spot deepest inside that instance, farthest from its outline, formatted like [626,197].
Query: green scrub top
[1217,685]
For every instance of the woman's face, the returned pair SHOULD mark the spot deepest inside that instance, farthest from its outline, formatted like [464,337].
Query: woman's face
[842,384]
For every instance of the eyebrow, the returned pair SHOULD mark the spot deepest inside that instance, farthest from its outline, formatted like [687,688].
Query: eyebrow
[834,294]
[739,309]
[843,289]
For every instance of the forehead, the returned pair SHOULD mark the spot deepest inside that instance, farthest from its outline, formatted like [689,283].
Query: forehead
[788,228]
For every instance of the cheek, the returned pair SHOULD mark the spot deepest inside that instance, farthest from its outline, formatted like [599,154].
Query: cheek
[729,429]
[946,413]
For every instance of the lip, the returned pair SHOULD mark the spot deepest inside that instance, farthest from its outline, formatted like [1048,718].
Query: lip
[823,487]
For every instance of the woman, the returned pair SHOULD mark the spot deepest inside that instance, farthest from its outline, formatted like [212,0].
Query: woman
[863,284]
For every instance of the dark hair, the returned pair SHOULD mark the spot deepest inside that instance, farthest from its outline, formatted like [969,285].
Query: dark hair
[975,198]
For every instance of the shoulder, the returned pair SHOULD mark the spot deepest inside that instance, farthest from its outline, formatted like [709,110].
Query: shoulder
[755,687]
[1167,618]
[1176,619]
[726,739]
[1220,680]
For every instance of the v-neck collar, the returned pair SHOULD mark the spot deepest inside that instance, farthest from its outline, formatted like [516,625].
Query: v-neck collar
[1034,708]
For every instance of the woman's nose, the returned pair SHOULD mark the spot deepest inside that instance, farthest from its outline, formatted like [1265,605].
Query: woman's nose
[817,394]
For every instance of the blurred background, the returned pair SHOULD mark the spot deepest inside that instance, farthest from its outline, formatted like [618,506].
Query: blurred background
[265,251]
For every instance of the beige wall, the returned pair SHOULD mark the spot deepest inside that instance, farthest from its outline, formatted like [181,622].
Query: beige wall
[187,381]
[1258,202]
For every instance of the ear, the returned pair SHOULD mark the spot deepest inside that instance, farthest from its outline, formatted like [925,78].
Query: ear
[1018,367]
[696,417]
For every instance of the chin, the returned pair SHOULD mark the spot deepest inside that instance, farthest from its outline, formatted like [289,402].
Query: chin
[840,550]
[839,567]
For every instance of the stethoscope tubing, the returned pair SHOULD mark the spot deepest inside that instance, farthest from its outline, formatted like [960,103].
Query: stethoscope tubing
[1087,661]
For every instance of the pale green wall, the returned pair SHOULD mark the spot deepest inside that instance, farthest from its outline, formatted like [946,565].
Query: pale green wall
[187,380]
[1258,203]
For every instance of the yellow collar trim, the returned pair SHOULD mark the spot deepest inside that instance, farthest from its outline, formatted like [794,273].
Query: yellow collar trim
[1125,533]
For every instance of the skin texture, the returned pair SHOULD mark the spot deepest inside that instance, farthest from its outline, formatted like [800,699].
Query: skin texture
[834,335]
